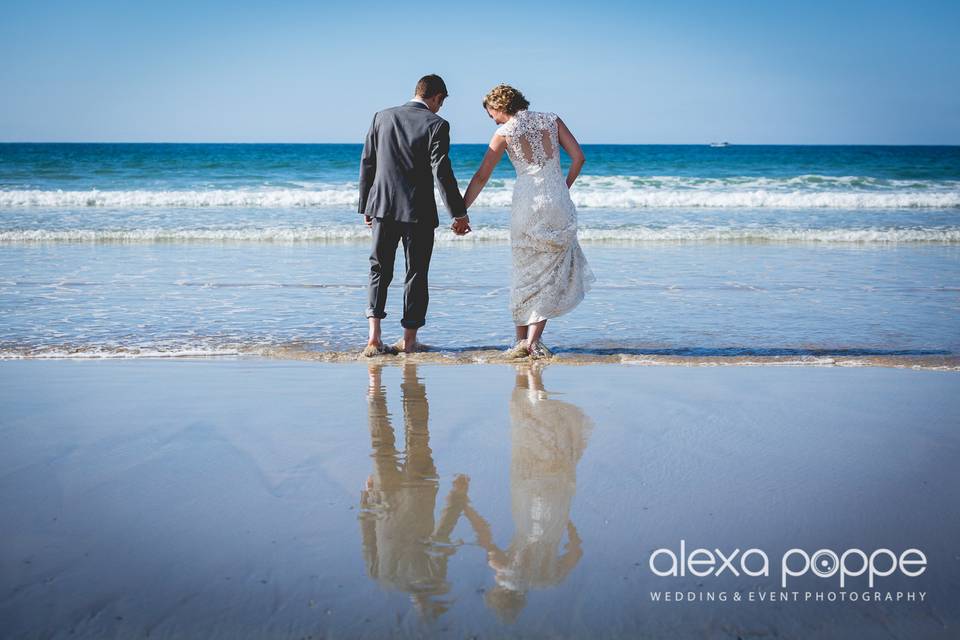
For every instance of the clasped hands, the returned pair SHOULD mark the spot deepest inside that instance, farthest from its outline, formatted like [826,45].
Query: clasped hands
[460,226]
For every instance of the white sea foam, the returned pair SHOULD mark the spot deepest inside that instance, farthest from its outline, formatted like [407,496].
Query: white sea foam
[265,199]
[630,234]
[799,192]
[101,352]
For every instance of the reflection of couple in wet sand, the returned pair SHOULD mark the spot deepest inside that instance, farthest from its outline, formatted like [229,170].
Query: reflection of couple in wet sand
[407,549]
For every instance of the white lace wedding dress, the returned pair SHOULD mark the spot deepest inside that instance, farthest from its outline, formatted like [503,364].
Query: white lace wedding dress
[550,273]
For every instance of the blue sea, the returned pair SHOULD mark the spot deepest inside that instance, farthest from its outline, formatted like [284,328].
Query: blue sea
[146,250]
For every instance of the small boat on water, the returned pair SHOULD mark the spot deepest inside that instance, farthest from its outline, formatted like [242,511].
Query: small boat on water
[719,144]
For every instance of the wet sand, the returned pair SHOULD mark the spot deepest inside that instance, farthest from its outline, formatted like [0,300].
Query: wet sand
[288,498]
[933,361]
[634,357]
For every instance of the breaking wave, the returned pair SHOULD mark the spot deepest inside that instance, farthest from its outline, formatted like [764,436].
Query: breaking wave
[618,192]
[587,234]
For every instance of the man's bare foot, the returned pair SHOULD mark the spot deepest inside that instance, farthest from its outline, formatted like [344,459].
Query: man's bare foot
[400,346]
[376,349]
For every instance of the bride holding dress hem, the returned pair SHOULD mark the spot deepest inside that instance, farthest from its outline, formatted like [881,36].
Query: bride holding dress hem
[550,274]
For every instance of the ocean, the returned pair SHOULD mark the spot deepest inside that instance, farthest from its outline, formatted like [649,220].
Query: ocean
[802,252]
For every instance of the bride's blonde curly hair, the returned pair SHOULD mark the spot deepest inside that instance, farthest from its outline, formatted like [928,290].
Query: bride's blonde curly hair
[505,98]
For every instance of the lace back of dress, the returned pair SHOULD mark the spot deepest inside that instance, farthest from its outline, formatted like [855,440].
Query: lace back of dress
[536,146]
[533,138]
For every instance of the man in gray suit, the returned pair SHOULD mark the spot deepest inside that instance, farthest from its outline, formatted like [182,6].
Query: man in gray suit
[406,149]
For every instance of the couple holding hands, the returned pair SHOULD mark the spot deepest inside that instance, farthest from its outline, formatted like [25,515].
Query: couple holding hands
[407,149]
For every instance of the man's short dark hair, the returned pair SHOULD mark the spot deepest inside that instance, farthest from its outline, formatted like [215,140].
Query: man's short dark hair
[430,86]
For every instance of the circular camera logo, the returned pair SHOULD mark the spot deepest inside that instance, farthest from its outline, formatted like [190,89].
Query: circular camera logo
[824,563]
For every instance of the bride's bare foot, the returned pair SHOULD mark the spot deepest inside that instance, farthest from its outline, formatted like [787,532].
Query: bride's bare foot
[518,350]
[540,351]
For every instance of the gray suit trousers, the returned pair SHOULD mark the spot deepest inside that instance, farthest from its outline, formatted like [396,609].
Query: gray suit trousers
[417,241]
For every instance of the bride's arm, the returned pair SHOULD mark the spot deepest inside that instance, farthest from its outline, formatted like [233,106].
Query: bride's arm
[572,147]
[498,144]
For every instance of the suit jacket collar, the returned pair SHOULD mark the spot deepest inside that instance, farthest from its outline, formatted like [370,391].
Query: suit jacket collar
[419,105]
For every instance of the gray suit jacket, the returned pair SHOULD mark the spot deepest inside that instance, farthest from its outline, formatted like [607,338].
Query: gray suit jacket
[406,148]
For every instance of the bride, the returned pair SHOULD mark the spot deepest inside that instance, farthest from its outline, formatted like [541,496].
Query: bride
[550,273]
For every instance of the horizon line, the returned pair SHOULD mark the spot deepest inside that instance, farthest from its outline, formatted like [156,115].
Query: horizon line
[609,144]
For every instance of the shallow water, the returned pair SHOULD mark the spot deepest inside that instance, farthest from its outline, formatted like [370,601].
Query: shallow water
[761,251]
[656,299]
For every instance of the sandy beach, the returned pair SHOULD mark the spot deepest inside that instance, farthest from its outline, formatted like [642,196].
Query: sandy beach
[736,224]
[262,498]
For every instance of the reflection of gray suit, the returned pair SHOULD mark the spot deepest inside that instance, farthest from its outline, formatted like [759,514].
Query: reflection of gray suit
[404,547]
[406,149]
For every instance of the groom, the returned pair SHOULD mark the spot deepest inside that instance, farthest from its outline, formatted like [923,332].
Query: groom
[406,149]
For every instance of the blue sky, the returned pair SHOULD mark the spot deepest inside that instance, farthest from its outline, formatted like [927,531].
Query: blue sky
[629,72]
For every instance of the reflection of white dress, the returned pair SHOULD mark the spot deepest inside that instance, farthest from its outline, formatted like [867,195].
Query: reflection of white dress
[548,439]
[550,273]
